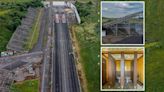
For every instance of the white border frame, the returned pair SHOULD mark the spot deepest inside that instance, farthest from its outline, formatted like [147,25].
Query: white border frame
[143,2]
[143,89]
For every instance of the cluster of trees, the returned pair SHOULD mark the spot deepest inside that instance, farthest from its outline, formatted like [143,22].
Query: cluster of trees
[84,10]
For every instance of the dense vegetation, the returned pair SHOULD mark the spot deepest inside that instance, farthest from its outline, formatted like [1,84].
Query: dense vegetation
[87,34]
[11,14]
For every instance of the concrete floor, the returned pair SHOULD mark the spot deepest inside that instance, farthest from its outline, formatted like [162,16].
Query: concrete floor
[117,86]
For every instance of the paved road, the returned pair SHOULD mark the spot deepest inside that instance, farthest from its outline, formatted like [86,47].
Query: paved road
[64,73]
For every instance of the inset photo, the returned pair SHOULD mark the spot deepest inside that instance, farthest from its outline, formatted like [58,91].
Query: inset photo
[122,23]
[122,69]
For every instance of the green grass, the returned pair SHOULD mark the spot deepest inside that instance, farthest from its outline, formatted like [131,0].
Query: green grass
[4,11]
[14,1]
[89,51]
[154,56]
[88,38]
[26,86]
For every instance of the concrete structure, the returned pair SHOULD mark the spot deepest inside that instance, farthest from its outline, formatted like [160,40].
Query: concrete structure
[68,4]
[120,28]
[129,22]
[123,69]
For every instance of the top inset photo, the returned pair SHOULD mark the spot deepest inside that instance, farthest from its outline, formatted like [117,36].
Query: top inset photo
[122,22]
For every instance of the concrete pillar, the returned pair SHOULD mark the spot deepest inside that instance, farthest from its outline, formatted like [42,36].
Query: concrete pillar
[135,70]
[107,71]
[112,70]
[128,29]
[122,63]
[116,30]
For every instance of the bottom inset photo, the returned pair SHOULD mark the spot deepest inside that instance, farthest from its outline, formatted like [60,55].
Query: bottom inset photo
[122,69]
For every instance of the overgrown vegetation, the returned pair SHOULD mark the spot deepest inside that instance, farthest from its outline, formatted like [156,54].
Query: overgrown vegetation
[11,14]
[87,34]
[26,86]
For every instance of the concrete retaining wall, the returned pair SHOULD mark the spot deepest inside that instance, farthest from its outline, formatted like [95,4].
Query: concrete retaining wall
[76,12]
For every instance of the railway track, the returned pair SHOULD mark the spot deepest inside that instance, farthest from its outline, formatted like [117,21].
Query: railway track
[65,78]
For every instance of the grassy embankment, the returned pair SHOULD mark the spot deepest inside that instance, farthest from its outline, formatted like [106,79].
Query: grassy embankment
[87,35]
[26,86]
[154,54]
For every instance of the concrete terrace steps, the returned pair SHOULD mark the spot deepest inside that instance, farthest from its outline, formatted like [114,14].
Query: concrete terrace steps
[15,48]
[22,32]
[26,22]
[18,36]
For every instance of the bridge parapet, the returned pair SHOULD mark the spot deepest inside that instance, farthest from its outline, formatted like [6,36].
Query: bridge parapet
[122,19]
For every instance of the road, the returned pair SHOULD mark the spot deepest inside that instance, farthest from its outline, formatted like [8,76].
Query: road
[64,75]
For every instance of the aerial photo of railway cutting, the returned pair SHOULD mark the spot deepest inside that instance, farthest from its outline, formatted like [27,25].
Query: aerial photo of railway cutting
[122,22]
[45,46]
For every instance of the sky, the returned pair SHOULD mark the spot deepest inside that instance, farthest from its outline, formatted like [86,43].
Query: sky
[120,9]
